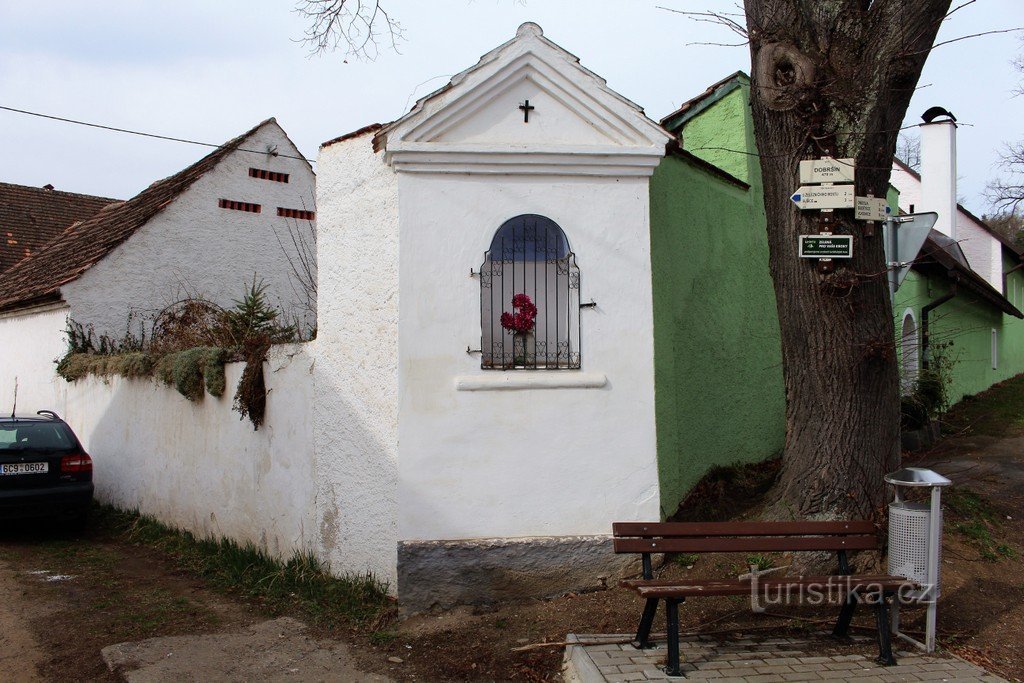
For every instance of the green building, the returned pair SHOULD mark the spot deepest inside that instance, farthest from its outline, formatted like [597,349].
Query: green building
[718,368]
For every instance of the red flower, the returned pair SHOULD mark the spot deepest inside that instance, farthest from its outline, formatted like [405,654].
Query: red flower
[524,315]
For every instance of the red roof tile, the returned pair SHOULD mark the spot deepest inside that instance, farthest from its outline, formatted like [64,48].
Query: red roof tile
[32,216]
[38,279]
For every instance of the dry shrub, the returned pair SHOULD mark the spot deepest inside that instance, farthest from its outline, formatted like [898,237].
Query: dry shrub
[189,324]
[191,341]
[251,395]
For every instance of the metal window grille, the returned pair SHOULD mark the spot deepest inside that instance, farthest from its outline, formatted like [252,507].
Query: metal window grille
[264,174]
[530,255]
[300,214]
[239,206]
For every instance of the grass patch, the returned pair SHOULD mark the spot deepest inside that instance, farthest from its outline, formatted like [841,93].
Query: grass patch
[997,411]
[301,584]
[976,519]
[382,637]
[762,562]
[686,560]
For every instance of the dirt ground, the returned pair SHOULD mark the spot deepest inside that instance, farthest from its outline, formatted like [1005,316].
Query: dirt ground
[66,598]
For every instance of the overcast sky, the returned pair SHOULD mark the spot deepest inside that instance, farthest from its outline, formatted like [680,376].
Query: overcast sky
[210,70]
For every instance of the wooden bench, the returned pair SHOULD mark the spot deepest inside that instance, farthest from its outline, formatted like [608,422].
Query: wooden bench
[726,537]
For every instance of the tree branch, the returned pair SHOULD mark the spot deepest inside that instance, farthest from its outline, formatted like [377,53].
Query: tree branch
[358,25]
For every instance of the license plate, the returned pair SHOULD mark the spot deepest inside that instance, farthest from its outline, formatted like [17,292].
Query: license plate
[24,468]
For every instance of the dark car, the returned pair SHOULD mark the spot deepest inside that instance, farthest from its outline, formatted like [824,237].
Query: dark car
[44,471]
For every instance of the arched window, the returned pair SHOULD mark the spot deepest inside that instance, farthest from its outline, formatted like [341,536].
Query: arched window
[910,353]
[530,297]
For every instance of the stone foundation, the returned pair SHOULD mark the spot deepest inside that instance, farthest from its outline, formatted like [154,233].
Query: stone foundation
[439,574]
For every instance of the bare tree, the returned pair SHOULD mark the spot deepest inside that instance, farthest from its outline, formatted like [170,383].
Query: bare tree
[908,150]
[1009,224]
[358,26]
[1006,194]
[299,249]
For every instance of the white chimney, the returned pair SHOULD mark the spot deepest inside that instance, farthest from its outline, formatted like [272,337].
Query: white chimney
[938,168]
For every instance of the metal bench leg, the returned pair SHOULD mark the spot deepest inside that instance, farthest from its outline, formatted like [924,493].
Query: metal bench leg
[885,656]
[672,619]
[643,634]
[845,616]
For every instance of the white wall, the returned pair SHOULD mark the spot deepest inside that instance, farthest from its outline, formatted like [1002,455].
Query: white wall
[983,251]
[195,246]
[30,342]
[534,461]
[356,406]
[198,466]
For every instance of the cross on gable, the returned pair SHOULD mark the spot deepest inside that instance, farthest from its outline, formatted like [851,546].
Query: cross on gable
[527,108]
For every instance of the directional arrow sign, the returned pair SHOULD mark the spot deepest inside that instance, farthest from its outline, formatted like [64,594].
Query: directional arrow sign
[871,209]
[824,197]
[826,246]
[826,170]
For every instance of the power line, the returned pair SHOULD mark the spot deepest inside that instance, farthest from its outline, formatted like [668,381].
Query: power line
[147,135]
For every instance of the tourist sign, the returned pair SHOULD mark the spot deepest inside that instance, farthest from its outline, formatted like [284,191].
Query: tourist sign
[826,246]
[826,170]
[824,197]
[871,209]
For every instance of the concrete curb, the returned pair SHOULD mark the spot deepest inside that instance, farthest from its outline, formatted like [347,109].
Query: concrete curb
[577,665]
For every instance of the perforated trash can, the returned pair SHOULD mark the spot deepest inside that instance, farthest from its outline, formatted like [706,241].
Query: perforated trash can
[909,525]
[915,545]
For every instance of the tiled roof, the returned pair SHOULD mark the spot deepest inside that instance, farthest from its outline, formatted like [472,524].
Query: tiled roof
[943,252]
[695,104]
[32,216]
[372,128]
[38,279]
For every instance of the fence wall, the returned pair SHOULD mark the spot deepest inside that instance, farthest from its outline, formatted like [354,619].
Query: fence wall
[198,466]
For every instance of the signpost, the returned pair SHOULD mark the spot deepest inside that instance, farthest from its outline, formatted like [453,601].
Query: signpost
[826,170]
[827,185]
[871,209]
[826,246]
[824,197]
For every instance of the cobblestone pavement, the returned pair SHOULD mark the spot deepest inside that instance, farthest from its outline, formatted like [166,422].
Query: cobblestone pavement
[754,661]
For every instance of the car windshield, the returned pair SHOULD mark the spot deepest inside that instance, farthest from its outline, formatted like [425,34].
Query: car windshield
[44,436]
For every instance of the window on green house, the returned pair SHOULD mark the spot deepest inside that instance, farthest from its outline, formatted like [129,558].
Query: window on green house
[995,349]
[909,353]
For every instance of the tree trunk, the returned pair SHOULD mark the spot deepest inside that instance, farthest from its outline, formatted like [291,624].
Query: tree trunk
[834,78]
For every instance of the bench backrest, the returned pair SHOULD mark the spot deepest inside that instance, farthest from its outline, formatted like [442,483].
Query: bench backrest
[725,537]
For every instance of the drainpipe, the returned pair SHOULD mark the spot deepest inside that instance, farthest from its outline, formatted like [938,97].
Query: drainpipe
[1007,274]
[924,320]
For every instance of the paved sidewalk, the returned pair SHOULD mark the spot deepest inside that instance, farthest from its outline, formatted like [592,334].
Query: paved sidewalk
[750,660]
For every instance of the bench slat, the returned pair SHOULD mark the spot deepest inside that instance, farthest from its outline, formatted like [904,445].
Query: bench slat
[839,586]
[655,583]
[750,544]
[684,529]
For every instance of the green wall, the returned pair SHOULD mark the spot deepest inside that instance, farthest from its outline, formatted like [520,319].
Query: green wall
[719,391]
[721,132]
[718,368]
[966,324]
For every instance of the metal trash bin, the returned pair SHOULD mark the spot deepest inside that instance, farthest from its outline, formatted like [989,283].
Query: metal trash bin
[915,545]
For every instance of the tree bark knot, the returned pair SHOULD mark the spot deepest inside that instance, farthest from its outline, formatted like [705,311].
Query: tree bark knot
[784,76]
